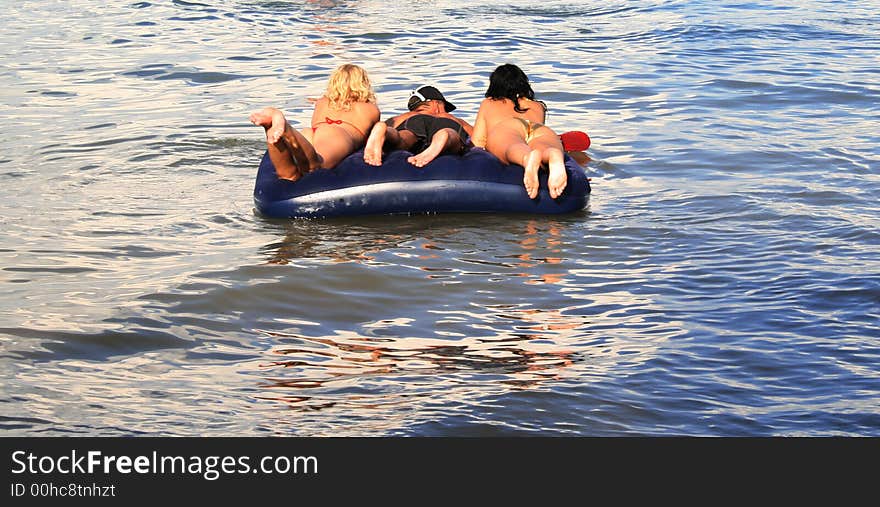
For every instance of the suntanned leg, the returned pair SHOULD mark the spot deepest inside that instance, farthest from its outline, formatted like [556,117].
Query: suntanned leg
[393,140]
[531,164]
[520,153]
[506,142]
[303,149]
[280,153]
[270,119]
[509,145]
[443,141]
[375,143]
[516,153]
[558,178]
[553,157]
[405,140]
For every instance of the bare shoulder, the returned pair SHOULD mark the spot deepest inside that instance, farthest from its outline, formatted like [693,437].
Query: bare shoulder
[366,109]
[488,103]
[496,109]
[491,107]
[537,103]
[535,110]
[321,105]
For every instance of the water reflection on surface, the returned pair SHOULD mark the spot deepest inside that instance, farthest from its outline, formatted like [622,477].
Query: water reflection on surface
[427,354]
[722,282]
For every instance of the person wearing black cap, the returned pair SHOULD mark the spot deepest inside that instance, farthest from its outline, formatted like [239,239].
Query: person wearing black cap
[427,129]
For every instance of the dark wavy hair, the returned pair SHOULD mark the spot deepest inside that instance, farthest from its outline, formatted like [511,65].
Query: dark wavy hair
[509,82]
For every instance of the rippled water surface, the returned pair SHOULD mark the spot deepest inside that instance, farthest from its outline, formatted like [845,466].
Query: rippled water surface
[724,279]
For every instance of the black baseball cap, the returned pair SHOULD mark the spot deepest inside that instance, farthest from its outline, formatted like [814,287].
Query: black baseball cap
[427,93]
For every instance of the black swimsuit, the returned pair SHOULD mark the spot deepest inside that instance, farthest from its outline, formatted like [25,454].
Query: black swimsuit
[424,126]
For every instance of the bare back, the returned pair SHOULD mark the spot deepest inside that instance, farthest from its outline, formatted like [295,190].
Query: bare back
[494,111]
[494,119]
[355,121]
[336,133]
[499,126]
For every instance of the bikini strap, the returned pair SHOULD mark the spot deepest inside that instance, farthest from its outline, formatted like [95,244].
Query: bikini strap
[331,121]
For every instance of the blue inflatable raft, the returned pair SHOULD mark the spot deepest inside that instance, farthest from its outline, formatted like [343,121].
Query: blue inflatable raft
[474,182]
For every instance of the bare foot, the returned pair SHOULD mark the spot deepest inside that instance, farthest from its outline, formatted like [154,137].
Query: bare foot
[373,148]
[284,149]
[279,124]
[431,152]
[262,118]
[272,120]
[558,178]
[531,163]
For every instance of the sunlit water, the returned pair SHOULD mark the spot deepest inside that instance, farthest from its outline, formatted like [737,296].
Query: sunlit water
[724,279]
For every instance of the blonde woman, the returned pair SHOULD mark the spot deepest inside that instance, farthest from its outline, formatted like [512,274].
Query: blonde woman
[339,122]
[510,125]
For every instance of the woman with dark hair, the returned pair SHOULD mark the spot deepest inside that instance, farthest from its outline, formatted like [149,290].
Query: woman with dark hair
[510,125]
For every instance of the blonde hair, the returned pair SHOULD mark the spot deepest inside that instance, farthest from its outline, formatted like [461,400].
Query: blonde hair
[349,83]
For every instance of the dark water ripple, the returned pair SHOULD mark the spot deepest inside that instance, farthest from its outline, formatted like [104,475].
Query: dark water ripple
[723,280]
